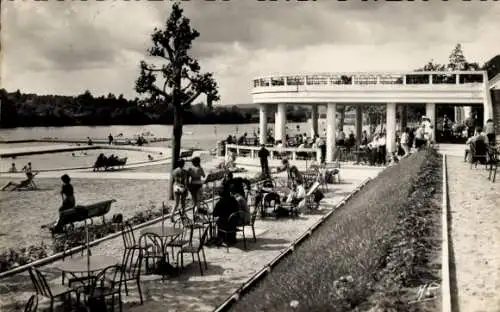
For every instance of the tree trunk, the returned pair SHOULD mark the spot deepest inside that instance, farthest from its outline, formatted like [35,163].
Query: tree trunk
[176,146]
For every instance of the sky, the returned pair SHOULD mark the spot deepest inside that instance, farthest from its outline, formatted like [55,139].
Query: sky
[71,46]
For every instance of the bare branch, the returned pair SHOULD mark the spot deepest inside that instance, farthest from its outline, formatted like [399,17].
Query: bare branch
[187,87]
[191,99]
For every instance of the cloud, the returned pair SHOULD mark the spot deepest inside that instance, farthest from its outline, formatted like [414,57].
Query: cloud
[69,46]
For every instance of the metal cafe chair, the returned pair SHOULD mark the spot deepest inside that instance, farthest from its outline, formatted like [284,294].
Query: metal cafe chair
[152,248]
[129,242]
[32,304]
[195,248]
[51,292]
[131,267]
[107,283]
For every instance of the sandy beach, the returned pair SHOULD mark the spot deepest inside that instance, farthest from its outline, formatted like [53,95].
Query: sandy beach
[23,213]
[475,233]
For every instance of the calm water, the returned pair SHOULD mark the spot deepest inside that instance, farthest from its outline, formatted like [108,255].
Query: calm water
[200,136]
[64,160]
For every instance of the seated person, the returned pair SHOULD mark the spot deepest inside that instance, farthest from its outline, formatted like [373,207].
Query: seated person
[226,206]
[297,194]
[68,200]
[24,183]
[13,168]
[100,161]
[112,159]
[27,168]
[236,185]
[480,142]
[267,188]
[292,171]
[243,206]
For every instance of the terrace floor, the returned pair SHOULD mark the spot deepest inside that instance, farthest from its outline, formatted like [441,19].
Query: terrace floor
[475,237]
[227,271]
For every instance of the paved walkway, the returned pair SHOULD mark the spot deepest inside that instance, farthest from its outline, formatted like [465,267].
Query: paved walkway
[475,236]
[226,270]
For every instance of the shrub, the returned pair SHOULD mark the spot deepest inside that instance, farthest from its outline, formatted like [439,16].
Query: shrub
[357,254]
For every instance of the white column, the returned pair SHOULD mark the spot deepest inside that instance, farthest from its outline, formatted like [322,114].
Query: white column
[314,120]
[466,112]
[488,102]
[263,124]
[359,123]
[331,125]
[280,123]
[430,111]
[390,128]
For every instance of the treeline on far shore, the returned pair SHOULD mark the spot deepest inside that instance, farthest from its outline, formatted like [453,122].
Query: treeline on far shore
[28,110]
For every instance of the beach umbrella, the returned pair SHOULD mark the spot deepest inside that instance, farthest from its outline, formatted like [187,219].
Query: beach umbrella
[87,244]
[162,217]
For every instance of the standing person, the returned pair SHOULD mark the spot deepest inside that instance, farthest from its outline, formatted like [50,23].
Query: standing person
[470,122]
[373,150]
[382,152]
[110,139]
[364,138]
[264,164]
[180,181]
[446,128]
[322,146]
[405,140]
[489,129]
[68,201]
[196,175]
[420,137]
[341,137]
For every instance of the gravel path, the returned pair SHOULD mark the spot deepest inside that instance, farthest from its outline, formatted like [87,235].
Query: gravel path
[475,236]
[192,292]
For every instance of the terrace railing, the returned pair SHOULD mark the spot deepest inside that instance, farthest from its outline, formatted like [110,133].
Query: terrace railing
[275,152]
[383,78]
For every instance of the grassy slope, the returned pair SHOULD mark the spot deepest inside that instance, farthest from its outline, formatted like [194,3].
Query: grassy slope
[348,244]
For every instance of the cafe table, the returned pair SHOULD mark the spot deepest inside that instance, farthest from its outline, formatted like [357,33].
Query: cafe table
[166,233]
[162,231]
[87,266]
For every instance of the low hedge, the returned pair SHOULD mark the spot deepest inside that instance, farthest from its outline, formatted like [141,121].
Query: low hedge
[14,257]
[362,254]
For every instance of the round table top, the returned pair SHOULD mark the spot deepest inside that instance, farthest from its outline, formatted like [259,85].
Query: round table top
[80,264]
[166,231]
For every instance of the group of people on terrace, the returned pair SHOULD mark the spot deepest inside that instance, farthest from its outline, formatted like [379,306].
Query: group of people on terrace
[233,197]
[374,145]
